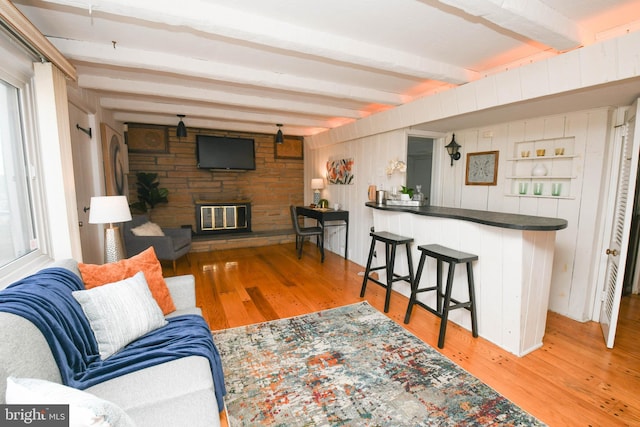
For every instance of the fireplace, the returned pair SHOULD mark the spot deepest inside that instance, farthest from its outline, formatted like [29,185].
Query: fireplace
[223,217]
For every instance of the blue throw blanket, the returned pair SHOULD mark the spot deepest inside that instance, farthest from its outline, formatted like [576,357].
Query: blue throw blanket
[45,300]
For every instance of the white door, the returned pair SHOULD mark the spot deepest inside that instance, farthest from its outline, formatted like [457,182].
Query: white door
[83,148]
[620,231]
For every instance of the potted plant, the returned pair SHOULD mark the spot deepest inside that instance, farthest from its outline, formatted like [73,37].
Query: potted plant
[407,190]
[149,192]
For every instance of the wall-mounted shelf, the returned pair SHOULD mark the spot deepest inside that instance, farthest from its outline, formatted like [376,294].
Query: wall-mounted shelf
[559,168]
[541,196]
[554,157]
[533,178]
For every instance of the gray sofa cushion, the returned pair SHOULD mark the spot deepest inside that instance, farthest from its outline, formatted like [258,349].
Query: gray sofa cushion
[182,290]
[191,410]
[24,352]
[176,393]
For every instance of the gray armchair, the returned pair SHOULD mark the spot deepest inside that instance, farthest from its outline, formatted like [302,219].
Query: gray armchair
[174,244]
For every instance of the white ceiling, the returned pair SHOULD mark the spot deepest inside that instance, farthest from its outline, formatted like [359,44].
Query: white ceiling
[311,65]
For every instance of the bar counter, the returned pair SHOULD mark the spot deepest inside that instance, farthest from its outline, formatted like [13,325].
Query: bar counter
[512,274]
[496,219]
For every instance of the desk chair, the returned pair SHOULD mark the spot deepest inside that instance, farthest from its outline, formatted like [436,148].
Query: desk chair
[304,232]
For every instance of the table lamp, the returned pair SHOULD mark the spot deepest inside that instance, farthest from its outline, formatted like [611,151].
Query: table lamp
[317,184]
[110,210]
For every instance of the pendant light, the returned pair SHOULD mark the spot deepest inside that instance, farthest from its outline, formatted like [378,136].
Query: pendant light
[181,131]
[279,136]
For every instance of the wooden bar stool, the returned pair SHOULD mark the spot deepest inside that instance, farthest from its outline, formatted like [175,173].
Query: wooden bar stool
[443,299]
[391,242]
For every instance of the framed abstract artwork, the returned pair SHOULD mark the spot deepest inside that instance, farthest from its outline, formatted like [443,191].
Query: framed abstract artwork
[143,138]
[482,168]
[115,165]
[340,171]
[290,148]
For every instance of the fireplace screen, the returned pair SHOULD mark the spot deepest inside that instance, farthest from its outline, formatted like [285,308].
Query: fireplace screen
[223,217]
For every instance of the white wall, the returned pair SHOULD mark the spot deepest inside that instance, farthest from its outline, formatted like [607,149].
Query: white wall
[93,183]
[574,276]
[371,155]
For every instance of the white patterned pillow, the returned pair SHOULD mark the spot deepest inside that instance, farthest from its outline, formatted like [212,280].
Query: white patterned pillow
[85,409]
[120,312]
[147,229]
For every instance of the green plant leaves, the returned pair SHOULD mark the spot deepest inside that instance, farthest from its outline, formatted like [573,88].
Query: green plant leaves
[149,192]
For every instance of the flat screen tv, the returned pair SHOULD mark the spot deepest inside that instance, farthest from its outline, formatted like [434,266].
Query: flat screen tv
[225,153]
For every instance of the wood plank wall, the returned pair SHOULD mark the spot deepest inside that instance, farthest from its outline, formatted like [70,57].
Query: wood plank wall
[576,258]
[271,188]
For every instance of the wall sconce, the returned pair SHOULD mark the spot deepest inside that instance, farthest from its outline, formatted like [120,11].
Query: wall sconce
[317,184]
[279,136]
[453,149]
[110,210]
[181,132]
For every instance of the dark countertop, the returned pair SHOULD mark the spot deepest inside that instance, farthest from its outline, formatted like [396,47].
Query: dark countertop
[496,219]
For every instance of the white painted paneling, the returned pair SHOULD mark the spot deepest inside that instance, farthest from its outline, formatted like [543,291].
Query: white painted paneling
[535,79]
[537,262]
[554,127]
[573,279]
[512,274]
[563,71]
[371,156]
[630,65]
[589,183]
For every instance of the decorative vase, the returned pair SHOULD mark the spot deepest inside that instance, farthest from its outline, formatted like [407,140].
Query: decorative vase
[539,170]
[372,193]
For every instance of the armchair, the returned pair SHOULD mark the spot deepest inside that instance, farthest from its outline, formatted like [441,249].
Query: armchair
[175,243]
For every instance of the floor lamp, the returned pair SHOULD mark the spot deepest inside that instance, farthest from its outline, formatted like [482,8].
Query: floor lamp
[110,210]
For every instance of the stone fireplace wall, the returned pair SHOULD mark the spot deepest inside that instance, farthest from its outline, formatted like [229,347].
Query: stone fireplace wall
[271,188]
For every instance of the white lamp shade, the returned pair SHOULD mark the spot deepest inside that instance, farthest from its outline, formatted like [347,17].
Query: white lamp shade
[109,209]
[317,184]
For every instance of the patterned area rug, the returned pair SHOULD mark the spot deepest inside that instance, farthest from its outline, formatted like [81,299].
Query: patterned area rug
[351,366]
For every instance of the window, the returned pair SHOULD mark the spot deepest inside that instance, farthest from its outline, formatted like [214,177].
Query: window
[17,226]
[23,224]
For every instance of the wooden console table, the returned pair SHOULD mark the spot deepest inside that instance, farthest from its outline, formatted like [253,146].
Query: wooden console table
[322,215]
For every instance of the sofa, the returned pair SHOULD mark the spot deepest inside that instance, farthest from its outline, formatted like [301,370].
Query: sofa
[177,388]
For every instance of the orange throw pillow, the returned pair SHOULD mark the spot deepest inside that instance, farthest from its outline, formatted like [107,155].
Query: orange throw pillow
[146,261]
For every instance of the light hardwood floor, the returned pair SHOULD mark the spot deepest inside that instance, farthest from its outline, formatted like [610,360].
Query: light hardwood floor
[573,380]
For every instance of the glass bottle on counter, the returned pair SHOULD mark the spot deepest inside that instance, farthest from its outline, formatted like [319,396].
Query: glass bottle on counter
[418,196]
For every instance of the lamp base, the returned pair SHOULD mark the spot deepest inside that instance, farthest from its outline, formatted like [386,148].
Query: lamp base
[316,197]
[113,247]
